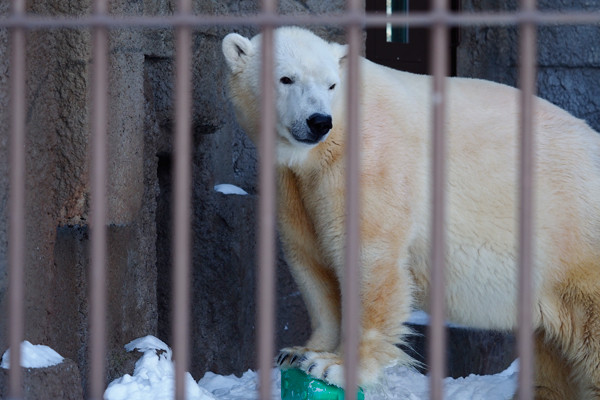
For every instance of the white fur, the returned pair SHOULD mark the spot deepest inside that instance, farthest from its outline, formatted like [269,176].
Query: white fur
[310,92]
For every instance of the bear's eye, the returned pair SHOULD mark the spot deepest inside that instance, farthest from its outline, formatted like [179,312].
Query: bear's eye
[286,80]
[332,87]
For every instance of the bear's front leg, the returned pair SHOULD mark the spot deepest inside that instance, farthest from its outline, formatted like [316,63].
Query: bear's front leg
[316,279]
[320,291]
[386,291]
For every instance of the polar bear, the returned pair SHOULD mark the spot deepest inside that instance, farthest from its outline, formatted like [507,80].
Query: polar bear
[481,258]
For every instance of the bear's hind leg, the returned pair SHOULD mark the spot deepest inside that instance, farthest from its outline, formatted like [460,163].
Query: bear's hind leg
[552,373]
[578,335]
[583,351]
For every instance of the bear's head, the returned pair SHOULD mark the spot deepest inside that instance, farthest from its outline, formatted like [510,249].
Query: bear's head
[307,80]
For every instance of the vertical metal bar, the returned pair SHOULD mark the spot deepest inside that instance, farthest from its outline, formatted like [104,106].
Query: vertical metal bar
[266,210]
[98,211]
[98,204]
[182,201]
[527,78]
[437,329]
[16,251]
[351,305]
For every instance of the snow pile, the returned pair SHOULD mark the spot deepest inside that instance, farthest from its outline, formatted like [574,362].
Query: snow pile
[244,388]
[403,383]
[227,188]
[153,379]
[33,356]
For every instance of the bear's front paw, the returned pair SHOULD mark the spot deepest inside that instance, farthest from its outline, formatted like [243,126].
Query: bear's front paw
[324,366]
[290,357]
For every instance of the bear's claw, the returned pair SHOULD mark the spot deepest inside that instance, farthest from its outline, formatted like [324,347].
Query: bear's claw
[290,357]
[319,364]
[281,358]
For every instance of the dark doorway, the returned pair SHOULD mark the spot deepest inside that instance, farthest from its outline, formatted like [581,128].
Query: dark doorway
[403,47]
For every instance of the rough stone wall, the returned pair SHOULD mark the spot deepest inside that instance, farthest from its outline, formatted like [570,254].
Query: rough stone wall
[57,192]
[140,132]
[568,56]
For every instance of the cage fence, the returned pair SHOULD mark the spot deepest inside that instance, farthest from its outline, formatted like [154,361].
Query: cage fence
[440,19]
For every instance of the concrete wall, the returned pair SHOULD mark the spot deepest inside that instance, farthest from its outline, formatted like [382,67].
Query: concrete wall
[568,56]
[57,193]
[140,135]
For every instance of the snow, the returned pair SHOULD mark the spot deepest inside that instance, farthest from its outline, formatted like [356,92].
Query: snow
[227,188]
[33,356]
[245,387]
[153,379]
[419,317]
[153,376]
[403,383]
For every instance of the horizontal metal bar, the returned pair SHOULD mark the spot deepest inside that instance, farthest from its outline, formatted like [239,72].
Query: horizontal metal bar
[484,18]
[367,20]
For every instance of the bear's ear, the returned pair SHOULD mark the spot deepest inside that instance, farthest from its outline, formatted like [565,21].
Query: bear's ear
[236,50]
[340,51]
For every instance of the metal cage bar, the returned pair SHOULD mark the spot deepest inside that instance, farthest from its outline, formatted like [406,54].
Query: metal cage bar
[266,208]
[98,205]
[351,306]
[182,200]
[436,342]
[416,19]
[527,84]
[16,251]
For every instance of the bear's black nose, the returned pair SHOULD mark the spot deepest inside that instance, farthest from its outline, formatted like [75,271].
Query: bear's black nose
[319,125]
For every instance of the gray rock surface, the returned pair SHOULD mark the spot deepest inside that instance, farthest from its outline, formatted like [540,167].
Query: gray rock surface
[468,351]
[568,56]
[140,124]
[61,381]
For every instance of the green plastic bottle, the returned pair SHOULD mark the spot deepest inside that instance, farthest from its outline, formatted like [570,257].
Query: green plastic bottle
[297,385]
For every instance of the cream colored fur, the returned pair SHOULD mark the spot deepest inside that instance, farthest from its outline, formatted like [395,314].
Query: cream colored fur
[481,284]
